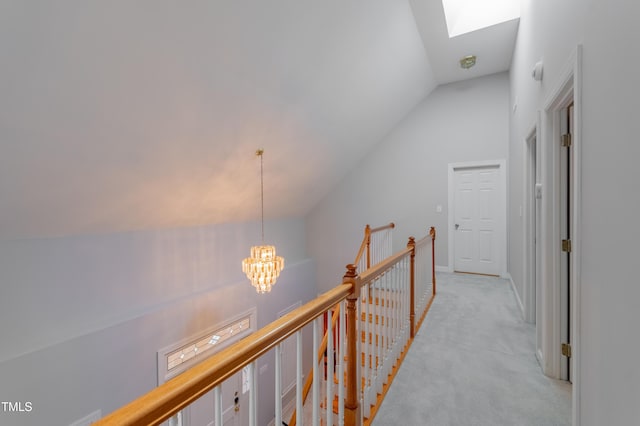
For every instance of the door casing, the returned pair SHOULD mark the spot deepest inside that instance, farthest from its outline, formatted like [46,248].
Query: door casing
[531,272]
[567,90]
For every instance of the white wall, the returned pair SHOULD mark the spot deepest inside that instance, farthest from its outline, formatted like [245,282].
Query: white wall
[119,117]
[84,316]
[546,33]
[609,386]
[405,177]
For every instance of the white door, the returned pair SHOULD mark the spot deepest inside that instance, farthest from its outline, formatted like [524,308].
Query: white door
[478,220]
[235,405]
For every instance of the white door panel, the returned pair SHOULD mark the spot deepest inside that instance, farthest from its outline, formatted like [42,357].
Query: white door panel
[201,412]
[477,220]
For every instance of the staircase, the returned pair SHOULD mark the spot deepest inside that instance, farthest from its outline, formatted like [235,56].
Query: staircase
[374,316]
[386,326]
[380,357]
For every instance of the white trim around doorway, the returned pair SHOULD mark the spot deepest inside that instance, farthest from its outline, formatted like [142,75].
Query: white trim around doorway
[567,89]
[531,161]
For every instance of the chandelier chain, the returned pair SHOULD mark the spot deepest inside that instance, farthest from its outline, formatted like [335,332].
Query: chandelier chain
[262,193]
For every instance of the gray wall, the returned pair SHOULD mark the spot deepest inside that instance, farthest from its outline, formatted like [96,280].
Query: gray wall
[609,389]
[85,315]
[405,177]
[116,116]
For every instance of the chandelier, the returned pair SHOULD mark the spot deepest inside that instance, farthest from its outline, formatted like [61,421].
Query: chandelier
[263,266]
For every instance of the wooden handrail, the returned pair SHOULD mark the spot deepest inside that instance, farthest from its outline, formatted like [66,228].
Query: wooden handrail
[366,240]
[423,240]
[363,245]
[390,225]
[167,399]
[380,267]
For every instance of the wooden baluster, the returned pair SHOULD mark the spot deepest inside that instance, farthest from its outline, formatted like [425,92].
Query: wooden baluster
[418,283]
[432,232]
[315,409]
[401,306]
[253,390]
[278,378]
[375,353]
[379,338]
[217,398]
[412,286]
[391,315]
[341,354]
[368,361]
[365,293]
[330,369]
[406,285]
[398,301]
[367,235]
[176,420]
[299,408]
[423,279]
[406,266]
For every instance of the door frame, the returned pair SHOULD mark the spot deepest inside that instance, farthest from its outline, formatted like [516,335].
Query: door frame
[568,89]
[502,196]
[531,270]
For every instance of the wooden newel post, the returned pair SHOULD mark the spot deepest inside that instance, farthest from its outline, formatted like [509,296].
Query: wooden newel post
[367,236]
[351,404]
[412,287]
[432,232]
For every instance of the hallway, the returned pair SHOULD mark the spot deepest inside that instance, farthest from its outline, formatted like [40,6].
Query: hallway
[472,364]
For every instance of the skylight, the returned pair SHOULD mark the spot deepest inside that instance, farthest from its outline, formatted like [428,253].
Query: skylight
[464,16]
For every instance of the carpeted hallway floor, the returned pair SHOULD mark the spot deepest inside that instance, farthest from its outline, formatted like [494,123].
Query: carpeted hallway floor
[473,364]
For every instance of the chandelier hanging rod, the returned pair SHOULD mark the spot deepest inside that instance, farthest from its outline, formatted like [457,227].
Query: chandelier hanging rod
[259,153]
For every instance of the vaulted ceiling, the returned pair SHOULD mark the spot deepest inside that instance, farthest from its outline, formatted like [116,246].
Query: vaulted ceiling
[135,115]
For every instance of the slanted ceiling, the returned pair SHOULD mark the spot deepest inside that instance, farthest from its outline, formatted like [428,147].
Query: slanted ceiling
[120,115]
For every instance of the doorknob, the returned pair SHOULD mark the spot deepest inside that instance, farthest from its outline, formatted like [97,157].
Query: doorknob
[457,226]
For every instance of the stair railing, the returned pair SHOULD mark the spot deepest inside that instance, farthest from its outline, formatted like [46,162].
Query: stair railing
[172,396]
[391,292]
[390,295]
[392,284]
[376,245]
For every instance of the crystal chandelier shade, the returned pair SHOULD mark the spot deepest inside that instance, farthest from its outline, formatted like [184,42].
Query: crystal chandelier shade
[263,267]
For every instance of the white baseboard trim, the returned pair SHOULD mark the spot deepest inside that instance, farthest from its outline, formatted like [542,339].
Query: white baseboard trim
[539,358]
[442,268]
[515,292]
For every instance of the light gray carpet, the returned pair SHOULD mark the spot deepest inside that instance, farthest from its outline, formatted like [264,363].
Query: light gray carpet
[473,363]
